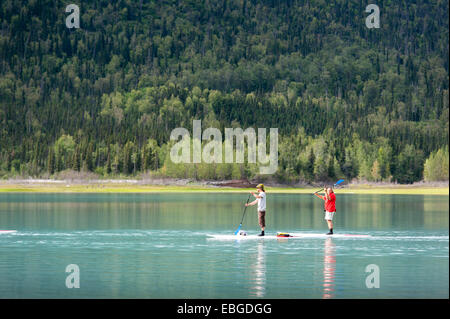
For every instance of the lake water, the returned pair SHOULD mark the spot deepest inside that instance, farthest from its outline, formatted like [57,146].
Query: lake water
[157,246]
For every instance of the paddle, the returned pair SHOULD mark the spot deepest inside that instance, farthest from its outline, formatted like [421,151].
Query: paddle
[336,184]
[240,225]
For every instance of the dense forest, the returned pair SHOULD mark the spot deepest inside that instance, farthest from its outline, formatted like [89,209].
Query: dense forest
[348,101]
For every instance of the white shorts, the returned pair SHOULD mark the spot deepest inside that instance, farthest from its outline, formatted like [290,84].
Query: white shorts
[329,215]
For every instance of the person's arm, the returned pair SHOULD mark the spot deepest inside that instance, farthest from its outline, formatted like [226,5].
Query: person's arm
[321,197]
[252,203]
[256,195]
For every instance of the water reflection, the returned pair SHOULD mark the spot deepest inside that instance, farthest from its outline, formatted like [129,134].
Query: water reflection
[214,212]
[259,275]
[329,269]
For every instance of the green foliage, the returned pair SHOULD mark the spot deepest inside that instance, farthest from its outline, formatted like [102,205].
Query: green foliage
[409,165]
[437,165]
[348,101]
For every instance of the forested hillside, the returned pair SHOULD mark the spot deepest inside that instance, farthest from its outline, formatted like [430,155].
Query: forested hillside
[348,101]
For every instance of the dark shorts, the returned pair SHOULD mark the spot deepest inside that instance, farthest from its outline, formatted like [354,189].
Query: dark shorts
[262,218]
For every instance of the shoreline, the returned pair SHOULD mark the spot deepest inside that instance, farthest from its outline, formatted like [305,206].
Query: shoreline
[188,186]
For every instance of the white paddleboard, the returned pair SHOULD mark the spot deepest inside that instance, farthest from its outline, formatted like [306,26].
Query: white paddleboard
[323,235]
[7,231]
[292,236]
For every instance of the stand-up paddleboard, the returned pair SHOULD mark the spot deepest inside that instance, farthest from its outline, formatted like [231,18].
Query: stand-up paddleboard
[313,235]
[7,231]
[285,235]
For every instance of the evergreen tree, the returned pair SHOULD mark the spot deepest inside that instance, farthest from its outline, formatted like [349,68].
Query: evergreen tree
[51,165]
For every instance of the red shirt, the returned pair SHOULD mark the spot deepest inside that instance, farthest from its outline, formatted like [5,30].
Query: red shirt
[330,205]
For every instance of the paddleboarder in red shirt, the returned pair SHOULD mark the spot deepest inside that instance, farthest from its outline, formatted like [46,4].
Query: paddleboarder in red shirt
[330,207]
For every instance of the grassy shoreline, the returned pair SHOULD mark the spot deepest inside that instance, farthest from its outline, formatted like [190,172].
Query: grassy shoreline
[133,188]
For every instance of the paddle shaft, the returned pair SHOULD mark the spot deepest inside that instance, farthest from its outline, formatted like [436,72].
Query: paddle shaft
[245,209]
[337,183]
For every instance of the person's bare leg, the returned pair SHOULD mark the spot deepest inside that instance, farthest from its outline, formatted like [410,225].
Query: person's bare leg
[262,222]
[330,226]
[262,231]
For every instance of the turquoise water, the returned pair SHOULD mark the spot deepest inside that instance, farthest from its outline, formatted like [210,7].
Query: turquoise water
[157,246]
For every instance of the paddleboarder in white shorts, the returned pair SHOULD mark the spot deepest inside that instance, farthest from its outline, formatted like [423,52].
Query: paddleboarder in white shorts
[330,207]
[261,201]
